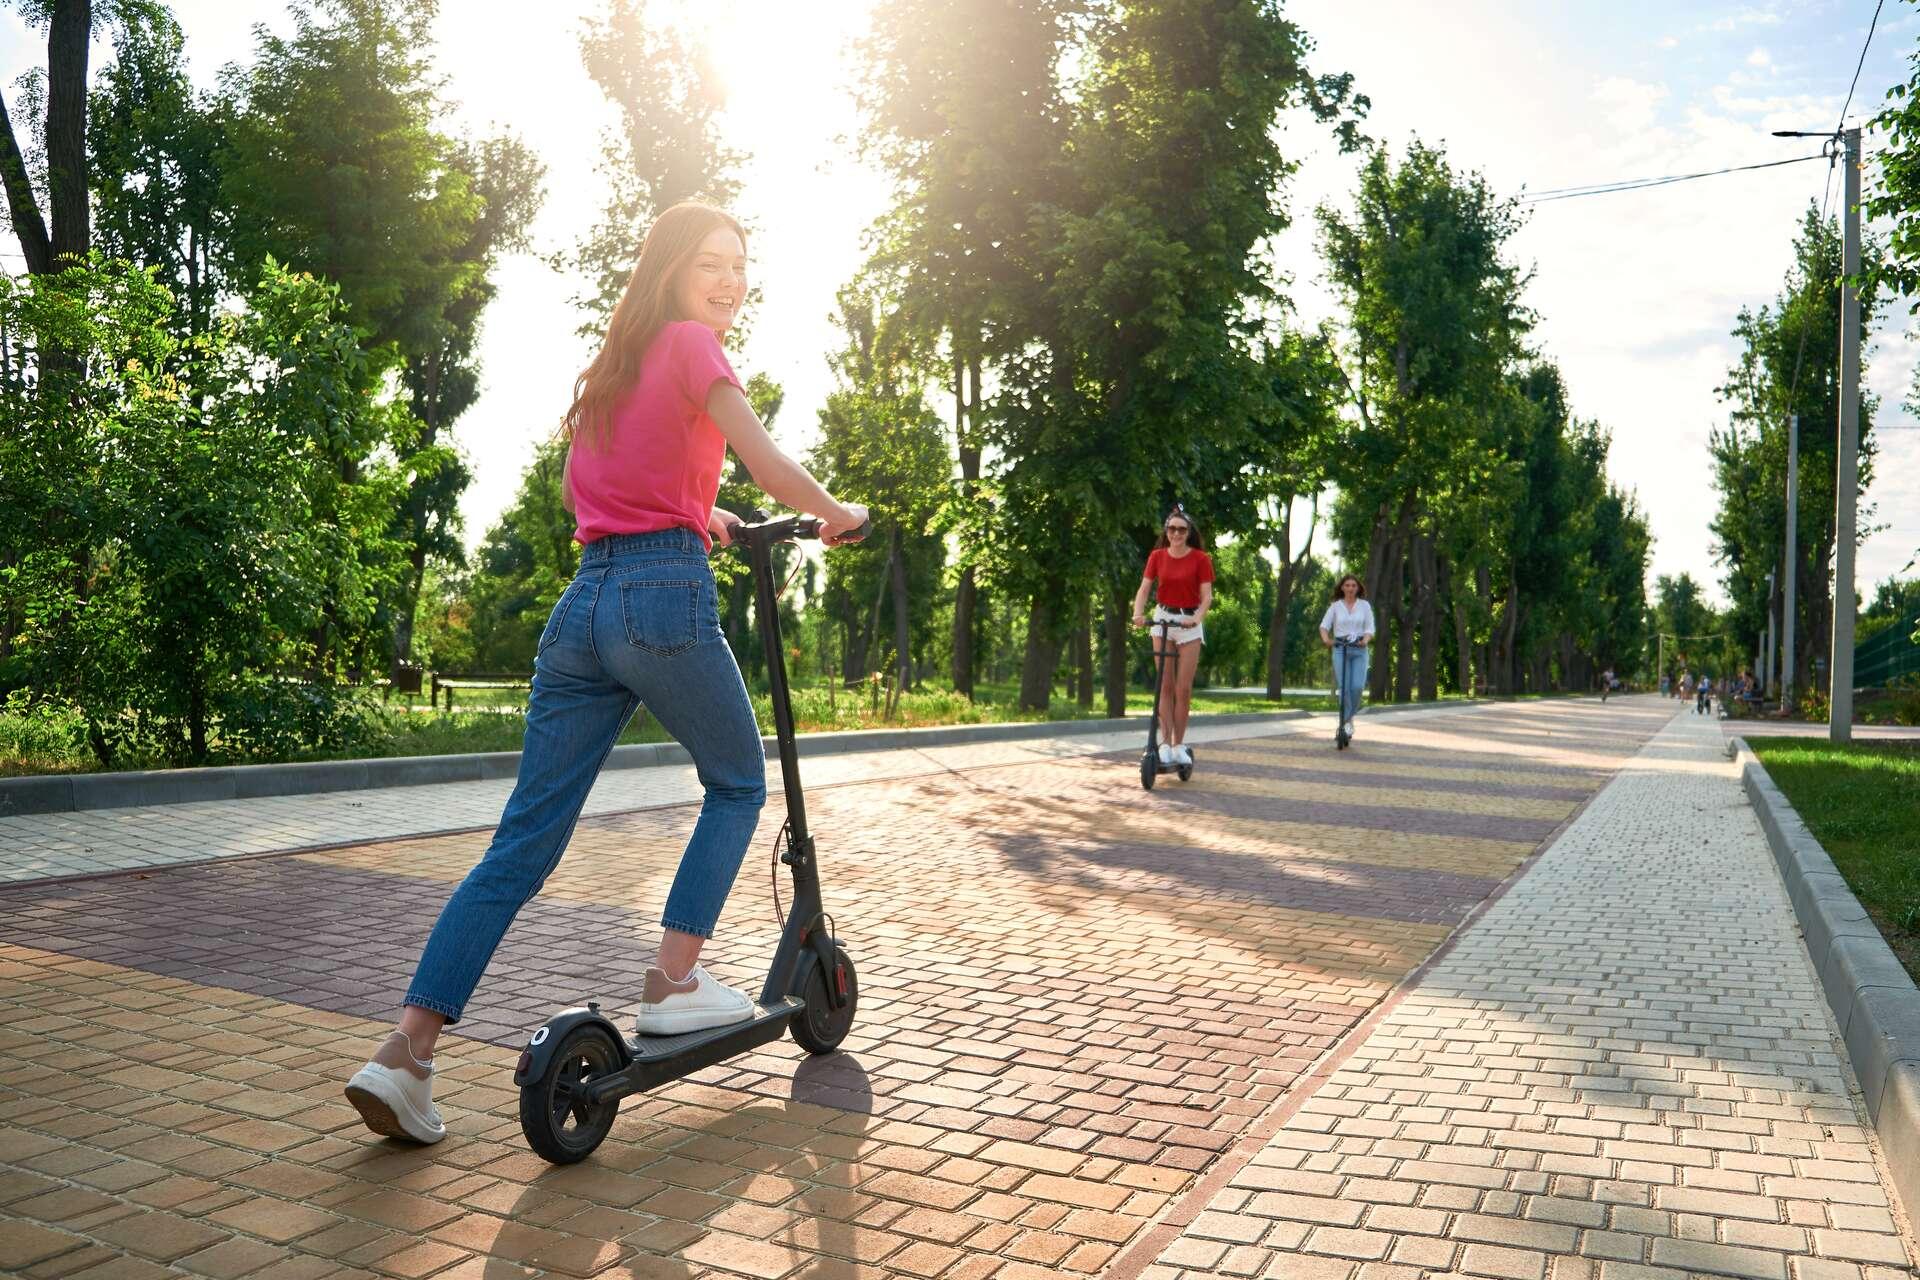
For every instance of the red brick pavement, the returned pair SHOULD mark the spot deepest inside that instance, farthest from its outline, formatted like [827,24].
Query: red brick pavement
[1075,996]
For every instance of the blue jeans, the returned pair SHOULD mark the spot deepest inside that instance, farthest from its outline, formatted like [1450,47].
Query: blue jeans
[639,623]
[1350,675]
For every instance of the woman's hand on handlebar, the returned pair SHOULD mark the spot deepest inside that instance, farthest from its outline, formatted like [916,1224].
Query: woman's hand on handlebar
[1139,619]
[720,524]
[850,525]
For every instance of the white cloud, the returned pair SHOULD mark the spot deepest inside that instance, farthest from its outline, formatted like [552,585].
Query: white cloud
[1628,105]
[1759,58]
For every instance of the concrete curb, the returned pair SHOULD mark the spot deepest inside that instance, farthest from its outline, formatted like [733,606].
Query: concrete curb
[65,793]
[1875,1003]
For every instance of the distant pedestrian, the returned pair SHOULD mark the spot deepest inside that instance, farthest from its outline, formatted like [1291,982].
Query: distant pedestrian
[1666,685]
[1703,699]
[1606,683]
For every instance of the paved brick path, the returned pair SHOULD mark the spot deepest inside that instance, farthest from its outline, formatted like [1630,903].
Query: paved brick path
[1625,1069]
[1082,1005]
[89,842]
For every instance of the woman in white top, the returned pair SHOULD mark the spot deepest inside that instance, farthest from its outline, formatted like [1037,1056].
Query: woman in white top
[1349,618]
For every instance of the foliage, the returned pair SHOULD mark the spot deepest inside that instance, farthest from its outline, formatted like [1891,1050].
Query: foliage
[408,222]
[1789,364]
[176,534]
[666,148]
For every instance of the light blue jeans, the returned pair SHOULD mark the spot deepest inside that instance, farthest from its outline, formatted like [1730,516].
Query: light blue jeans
[1350,675]
[639,623]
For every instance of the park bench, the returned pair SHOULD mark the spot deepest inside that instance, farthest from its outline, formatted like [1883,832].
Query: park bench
[476,680]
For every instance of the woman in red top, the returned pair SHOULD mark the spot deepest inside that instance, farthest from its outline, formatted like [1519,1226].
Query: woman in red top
[1184,577]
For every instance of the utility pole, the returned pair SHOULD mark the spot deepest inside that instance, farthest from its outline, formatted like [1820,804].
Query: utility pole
[1766,662]
[1846,483]
[1788,655]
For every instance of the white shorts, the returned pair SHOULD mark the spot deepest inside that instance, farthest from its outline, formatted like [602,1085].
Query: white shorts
[1177,633]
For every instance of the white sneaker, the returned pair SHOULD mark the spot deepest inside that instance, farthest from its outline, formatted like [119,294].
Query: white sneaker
[696,1003]
[394,1094]
[1181,755]
[1166,754]
[1347,728]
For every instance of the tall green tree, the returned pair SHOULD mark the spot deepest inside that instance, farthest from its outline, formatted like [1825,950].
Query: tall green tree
[1436,322]
[335,162]
[966,112]
[52,239]
[1789,363]
[665,148]
[1145,382]
[882,446]
[155,145]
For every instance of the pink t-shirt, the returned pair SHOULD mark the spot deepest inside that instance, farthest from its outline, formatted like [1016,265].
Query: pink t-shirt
[660,467]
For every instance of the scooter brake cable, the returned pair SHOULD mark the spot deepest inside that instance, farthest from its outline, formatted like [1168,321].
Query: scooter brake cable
[773,871]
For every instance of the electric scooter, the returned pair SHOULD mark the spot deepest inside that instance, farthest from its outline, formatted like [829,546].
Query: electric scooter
[578,1065]
[1342,651]
[1150,766]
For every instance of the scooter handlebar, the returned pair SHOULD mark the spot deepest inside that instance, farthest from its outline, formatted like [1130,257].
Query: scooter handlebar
[792,528]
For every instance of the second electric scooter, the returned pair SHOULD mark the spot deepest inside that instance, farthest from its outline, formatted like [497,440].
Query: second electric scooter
[1165,652]
[578,1065]
[1349,700]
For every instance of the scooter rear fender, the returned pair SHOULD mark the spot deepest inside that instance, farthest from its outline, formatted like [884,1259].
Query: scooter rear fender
[540,1048]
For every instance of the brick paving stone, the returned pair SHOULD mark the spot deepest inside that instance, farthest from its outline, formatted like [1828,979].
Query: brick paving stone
[1635,1029]
[1039,1069]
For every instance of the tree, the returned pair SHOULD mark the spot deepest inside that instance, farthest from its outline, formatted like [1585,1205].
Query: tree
[1144,384]
[1789,364]
[666,148]
[180,478]
[966,112]
[1434,311]
[406,221]
[155,147]
[52,241]
[883,447]
[1895,194]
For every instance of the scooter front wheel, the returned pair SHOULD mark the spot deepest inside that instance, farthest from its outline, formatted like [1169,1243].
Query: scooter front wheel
[1149,769]
[819,1028]
[1186,769]
[560,1123]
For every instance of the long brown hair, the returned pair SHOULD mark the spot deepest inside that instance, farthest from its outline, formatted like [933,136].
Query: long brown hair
[1193,529]
[645,308]
[1339,595]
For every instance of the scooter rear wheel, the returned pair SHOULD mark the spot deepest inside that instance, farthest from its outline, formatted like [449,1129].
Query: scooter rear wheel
[560,1123]
[1186,769]
[1149,769]
[819,1028]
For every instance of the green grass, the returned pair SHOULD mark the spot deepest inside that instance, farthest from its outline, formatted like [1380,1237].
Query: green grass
[494,720]
[1862,802]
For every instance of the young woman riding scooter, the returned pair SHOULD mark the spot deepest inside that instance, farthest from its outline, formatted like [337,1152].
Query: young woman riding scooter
[1181,575]
[648,432]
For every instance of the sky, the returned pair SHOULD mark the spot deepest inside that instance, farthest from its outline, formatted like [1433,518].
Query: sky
[1636,293]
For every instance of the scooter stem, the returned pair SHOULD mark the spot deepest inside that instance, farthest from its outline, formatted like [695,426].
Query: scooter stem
[800,853]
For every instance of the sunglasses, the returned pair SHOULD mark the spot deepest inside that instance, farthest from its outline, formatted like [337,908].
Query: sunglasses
[1176,528]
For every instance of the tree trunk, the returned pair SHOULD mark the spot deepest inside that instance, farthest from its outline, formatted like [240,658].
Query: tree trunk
[1118,619]
[1429,608]
[963,601]
[903,657]
[1083,652]
[68,34]
[1284,581]
[1042,655]
[964,410]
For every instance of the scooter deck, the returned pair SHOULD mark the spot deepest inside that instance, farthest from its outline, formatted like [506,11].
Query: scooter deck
[654,1048]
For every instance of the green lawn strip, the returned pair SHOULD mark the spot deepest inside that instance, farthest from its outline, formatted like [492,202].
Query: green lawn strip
[1862,802]
[494,720]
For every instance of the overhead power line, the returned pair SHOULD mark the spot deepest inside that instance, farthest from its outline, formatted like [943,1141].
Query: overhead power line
[1868,44]
[1641,184]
